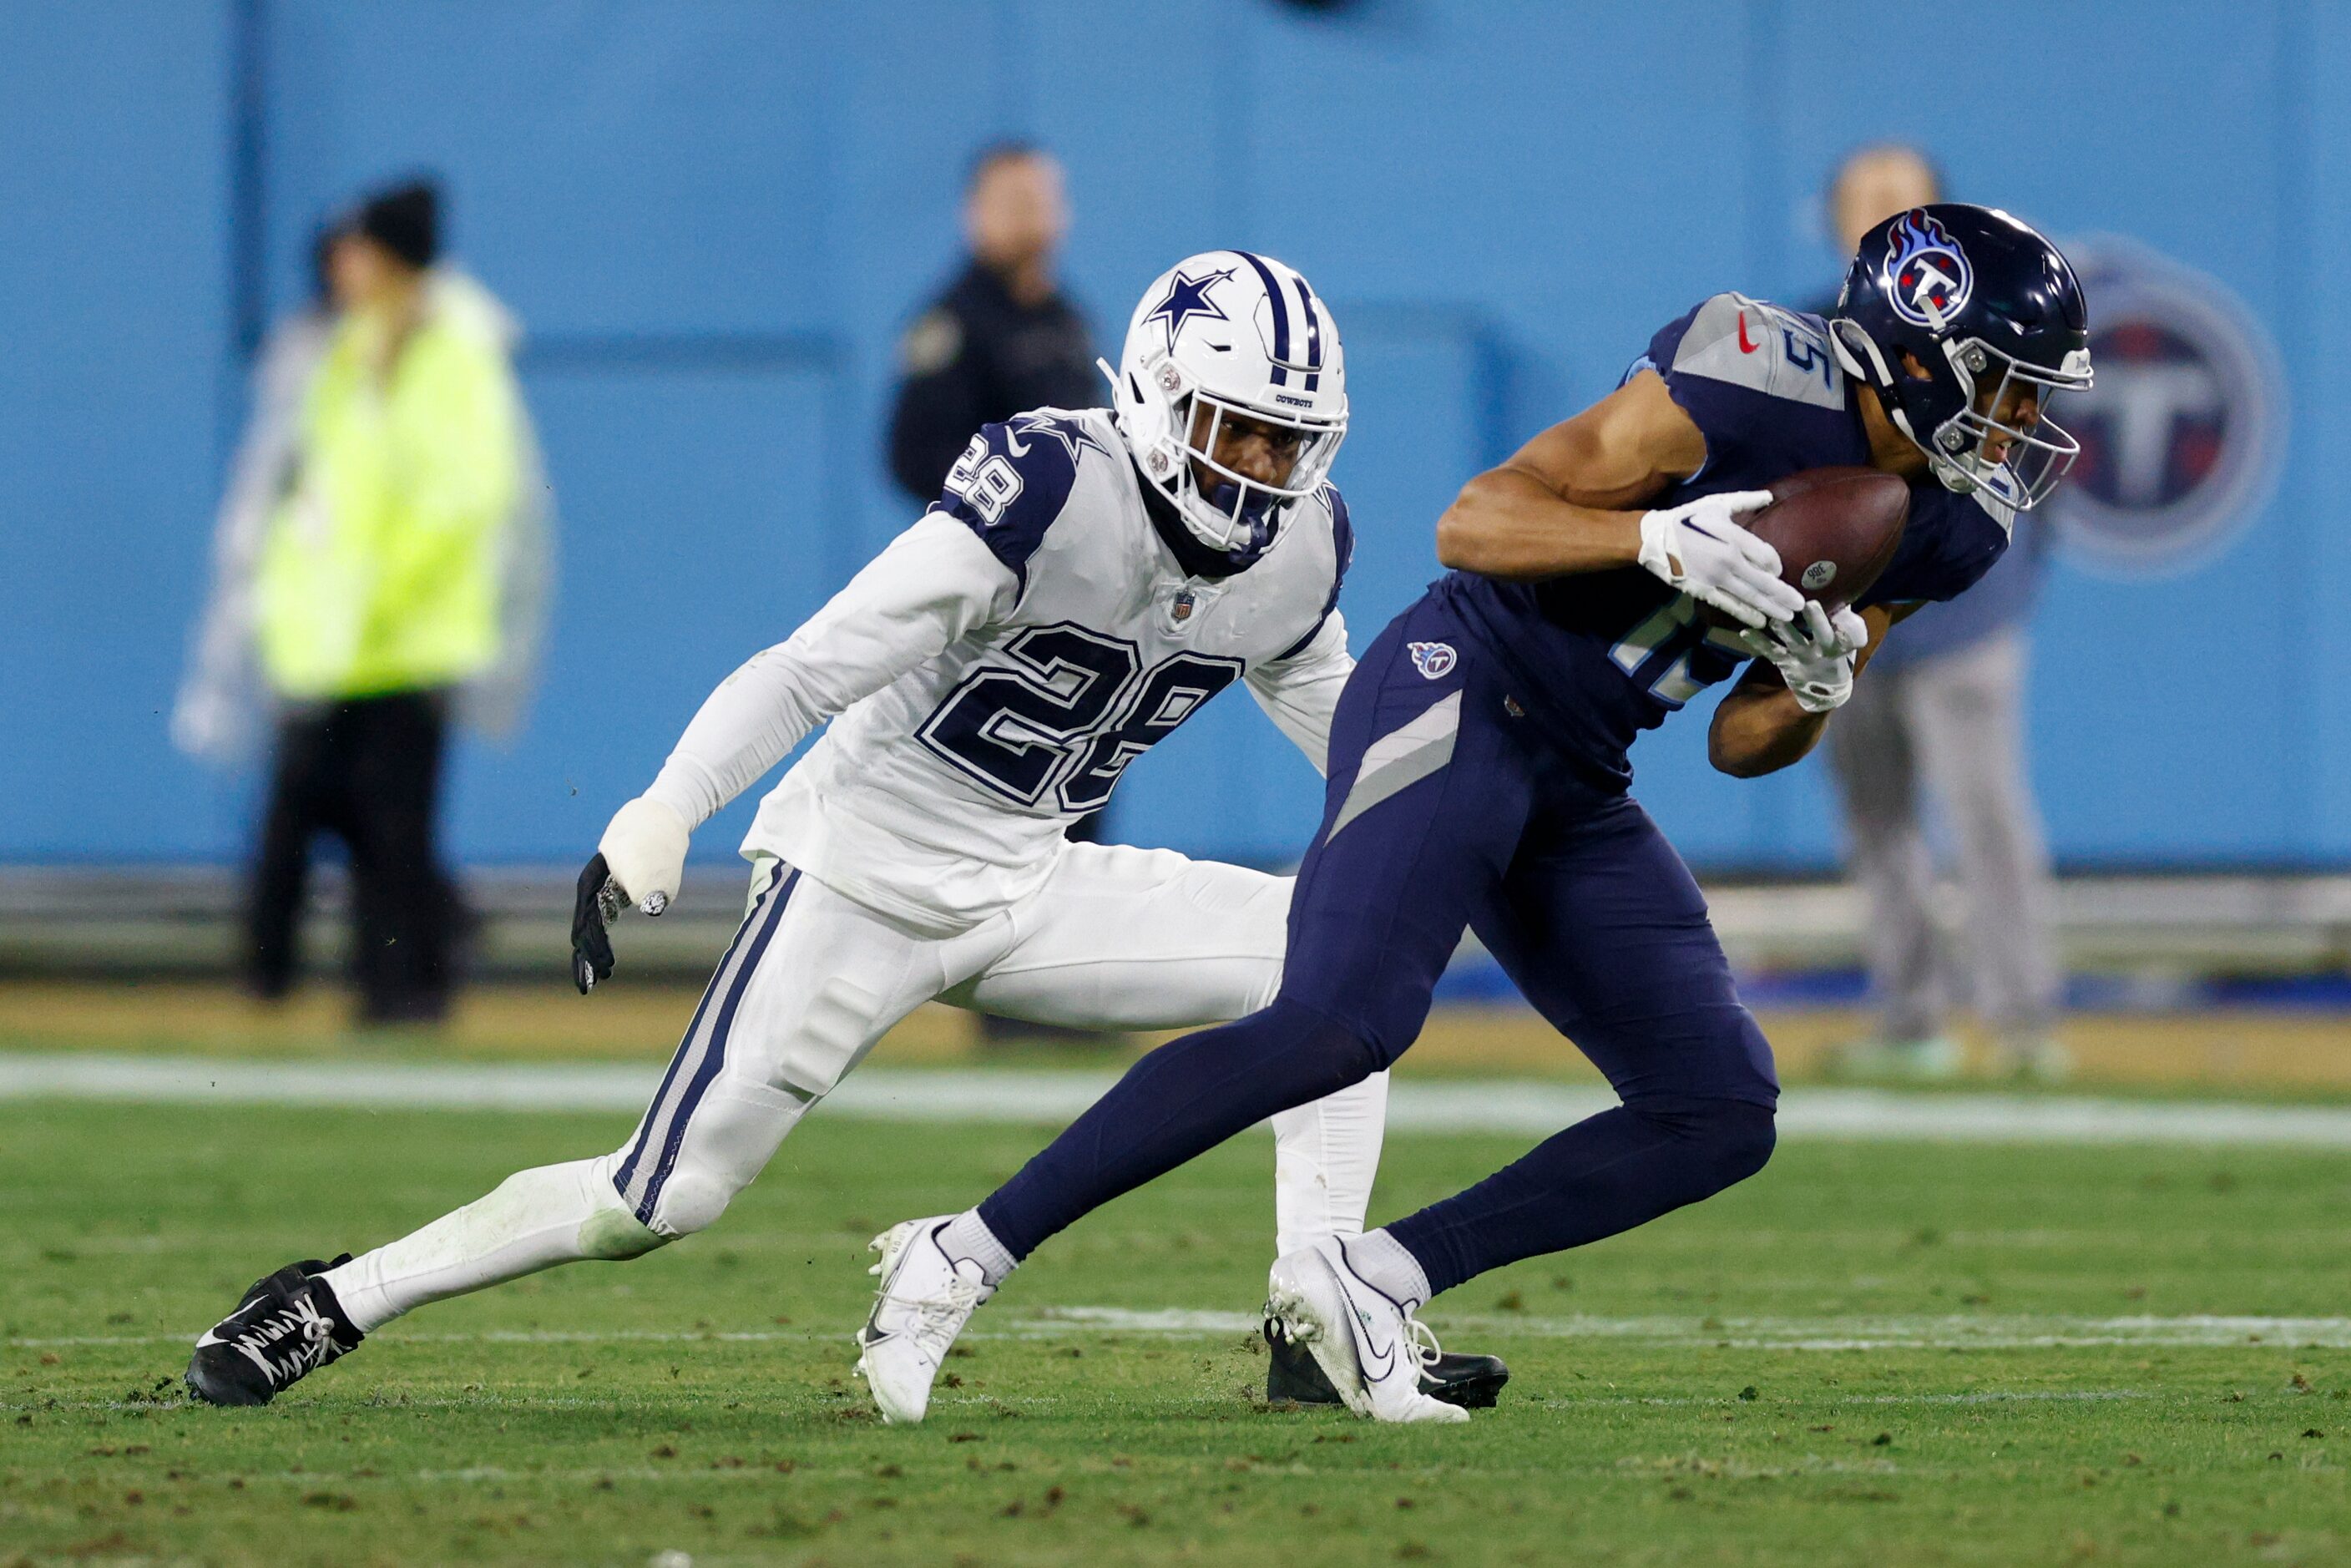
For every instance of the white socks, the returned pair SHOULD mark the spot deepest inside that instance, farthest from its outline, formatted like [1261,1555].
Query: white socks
[535,1220]
[1382,1262]
[968,1239]
[1325,1155]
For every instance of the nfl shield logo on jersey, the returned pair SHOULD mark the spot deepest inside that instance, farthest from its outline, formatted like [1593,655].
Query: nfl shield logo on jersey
[1180,610]
[1433,660]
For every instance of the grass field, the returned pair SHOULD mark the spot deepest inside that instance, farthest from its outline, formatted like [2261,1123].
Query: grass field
[1874,1353]
[2287,1052]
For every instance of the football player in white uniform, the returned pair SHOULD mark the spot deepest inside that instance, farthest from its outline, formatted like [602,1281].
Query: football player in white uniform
[1089,579]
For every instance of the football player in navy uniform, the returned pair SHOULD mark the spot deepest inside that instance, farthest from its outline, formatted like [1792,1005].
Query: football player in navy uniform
[1478,777]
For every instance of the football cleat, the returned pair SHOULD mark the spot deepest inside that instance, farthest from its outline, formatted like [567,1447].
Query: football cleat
[288,1326]
[1472,1382]
[1370,1348]
[922,1302]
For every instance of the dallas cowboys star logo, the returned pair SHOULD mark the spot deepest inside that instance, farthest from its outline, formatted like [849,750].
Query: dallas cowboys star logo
[1068,431]
[1187,298]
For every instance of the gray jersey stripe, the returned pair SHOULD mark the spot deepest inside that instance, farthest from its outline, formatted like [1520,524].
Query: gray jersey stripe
[1439,719]
[1400,759]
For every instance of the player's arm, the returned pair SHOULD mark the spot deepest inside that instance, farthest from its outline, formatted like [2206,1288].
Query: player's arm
[936,583]
[1574,499]
[1301,693]
[1571,499]
[1761,726]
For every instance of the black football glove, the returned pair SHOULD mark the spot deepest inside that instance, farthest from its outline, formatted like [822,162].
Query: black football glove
[600,898]
[643,848]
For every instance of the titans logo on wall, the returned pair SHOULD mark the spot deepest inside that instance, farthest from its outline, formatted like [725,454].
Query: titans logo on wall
[1931,278]
[2184,433]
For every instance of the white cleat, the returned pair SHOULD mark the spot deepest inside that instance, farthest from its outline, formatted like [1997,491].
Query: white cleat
[1367,1343]
[922,1302]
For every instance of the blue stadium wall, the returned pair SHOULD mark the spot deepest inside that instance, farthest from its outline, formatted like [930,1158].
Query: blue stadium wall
[715,217]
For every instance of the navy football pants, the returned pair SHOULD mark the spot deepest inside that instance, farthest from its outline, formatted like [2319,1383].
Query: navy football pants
[1447,808]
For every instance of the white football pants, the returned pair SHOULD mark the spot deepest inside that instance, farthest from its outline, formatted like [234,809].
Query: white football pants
[1116,939]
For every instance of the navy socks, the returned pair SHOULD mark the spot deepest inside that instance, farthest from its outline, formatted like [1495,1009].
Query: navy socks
[1606,1174]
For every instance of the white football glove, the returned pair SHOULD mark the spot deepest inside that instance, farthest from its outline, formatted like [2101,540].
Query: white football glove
[1706,552]
[640,860]
[645,849]
[1814,653]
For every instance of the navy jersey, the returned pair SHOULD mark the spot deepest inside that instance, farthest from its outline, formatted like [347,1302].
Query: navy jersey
[1604,655]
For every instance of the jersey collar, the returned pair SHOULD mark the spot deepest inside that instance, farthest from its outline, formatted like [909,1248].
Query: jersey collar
[1195,559]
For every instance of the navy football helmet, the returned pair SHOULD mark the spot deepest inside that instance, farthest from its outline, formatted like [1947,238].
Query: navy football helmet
[1993,316]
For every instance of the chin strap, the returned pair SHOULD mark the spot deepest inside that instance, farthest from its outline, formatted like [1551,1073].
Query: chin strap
[1196,558]
[1842,334]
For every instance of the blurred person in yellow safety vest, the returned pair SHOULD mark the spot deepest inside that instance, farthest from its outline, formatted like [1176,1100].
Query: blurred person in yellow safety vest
[380,565]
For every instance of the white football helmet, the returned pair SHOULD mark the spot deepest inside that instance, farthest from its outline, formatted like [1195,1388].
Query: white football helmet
[1224,334]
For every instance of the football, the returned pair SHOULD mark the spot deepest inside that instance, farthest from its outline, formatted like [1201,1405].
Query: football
[1836,529]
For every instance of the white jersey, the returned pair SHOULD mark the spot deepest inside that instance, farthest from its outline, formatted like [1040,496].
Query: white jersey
[996,669]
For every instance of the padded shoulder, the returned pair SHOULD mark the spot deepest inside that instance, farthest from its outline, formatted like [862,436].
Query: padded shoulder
[1343,546]
[1760,347]
[1014,481]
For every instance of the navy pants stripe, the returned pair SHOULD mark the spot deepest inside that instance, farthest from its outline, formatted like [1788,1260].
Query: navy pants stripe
[1578,895]
[701,1054]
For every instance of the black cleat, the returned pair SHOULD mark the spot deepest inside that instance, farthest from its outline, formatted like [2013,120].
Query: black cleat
[288,1326]
[1472,1382]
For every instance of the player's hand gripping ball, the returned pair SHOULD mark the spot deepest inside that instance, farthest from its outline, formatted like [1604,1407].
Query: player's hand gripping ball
[1836,529]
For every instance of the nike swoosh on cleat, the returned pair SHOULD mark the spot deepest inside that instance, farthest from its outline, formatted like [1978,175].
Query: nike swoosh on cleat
[1364,1345]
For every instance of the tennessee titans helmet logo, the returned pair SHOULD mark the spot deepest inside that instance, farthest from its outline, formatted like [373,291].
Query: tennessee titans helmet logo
[1929,279]
[1434,661]
[1187,298]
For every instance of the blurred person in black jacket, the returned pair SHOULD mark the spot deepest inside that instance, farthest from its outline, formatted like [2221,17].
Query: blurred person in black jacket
[1002,339]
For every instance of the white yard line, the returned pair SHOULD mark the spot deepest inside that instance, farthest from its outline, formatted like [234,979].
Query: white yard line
[1517,1108]
[1954,1332]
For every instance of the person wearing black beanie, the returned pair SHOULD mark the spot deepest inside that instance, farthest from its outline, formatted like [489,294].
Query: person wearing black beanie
[377,259]
[405,220]
[379,587]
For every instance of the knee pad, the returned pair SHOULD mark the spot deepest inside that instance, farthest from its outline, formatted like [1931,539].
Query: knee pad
[691,1201]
